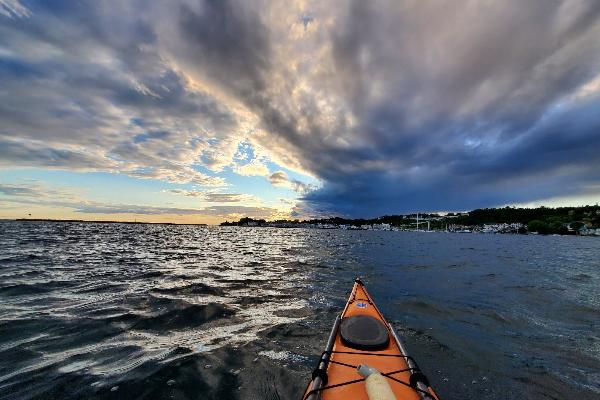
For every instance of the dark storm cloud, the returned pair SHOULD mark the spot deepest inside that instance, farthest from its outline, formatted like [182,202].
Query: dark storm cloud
[228,42]
[475,107]
[449,98]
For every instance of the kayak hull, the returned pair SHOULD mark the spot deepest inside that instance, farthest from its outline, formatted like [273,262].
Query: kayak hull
[336,376]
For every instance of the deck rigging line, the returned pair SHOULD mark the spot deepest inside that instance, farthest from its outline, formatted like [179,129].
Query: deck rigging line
[326,355]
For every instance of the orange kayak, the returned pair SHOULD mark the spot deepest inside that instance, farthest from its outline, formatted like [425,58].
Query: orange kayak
[361,336]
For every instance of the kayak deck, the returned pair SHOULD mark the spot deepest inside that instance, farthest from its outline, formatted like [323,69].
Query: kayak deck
[351,349]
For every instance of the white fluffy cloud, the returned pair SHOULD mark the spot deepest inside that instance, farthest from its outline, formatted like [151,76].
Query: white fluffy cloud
[253,168]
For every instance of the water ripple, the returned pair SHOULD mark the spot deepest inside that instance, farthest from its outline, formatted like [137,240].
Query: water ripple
[154,311]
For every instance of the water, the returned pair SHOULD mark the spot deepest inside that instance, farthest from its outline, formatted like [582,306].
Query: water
[188,312]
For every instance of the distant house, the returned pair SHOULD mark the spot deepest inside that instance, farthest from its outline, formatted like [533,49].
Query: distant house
[489,228]
[382,227]
[502,228]
[586,231]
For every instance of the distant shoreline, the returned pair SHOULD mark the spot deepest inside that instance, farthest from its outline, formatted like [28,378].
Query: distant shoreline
[299,226]
[581,220]
[584,220]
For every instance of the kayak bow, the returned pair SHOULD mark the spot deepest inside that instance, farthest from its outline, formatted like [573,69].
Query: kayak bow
[361,337]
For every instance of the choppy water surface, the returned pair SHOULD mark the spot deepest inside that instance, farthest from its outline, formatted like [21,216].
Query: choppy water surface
[188,312]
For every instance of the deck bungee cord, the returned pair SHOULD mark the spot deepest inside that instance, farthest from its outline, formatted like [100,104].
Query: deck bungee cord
[364,347]
[412,382]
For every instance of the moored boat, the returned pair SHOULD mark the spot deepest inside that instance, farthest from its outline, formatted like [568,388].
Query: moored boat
[364,359]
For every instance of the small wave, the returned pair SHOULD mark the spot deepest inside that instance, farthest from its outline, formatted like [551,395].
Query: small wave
[581,278]
[424,306]
[22,289]
[288,330]
[20,258]
[193,289]
[151,274]
[184,316]
[241,283]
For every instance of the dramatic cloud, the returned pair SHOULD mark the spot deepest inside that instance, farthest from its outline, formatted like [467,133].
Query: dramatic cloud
[36,194]
[281,179]
[104,102]
[392,106]
[37,191]
[217,211]
[214,197]
[16,190]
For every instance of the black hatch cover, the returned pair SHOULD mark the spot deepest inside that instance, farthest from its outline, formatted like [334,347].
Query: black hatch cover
[362,332]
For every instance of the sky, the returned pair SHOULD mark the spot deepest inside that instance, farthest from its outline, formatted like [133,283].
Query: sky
[210,110]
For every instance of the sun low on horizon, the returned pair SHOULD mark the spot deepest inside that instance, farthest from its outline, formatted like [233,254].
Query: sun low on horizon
[206,111]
